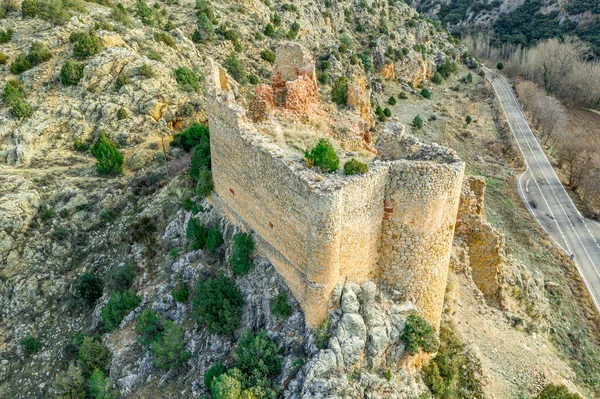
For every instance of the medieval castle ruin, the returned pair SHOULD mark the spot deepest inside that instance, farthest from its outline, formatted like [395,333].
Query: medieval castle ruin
[395,224]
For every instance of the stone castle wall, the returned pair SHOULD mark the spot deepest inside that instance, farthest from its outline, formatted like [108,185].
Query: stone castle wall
[394,223]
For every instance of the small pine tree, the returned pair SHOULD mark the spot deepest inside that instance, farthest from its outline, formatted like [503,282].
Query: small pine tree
[109,159]
[70,384]
[322,155]
[417,122]
[20,109]
[148,326]
[269,30]
[122,114]
[71,73]
[240,253]
[101,387]
[392,100]
[500,66]
[426,94]
[339,91]
[206,30]
[29,8]
[468,119]
[169,347]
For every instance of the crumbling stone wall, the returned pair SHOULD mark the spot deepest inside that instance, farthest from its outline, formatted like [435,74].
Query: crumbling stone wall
[484,244]
[394,224]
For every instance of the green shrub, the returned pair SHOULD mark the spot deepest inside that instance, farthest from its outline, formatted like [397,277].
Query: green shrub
[195,134]
[240,253]
[322,155]
[217,302]
[44,212]
[468,119]
[339,91]
[3,58]
[226,387]
[392,100]
[71,73]
[70,384]
[109,159]
[500,66]
[6,35]
[354,167]
[366,61]
[120,14]
[119,304]
[148,326]
[180,292]
[196,234]
[437,78]
[280,306]
[187,79]
[256,357]
[419,334]
[321,334]
[29,345]
[120,278]
[53,11]
[146,71]
[92,355]
[269,30]
[122,80]
[403,95]
[122,114]
[101,386]
[417,122]
[426,93]
[20,109]
[85,44]
[29,8]
[387,112]
[200,159]
[20,64]
[168,348]
[12,91]
[552,391]
[213,372]
[205,183]
[293,32]
[147,14]
[447,68]
[88,287]
[187,204]
[323,77]
[452,373]
[164,38]
[236,68]
[214,238]
[206,30]
[268,56]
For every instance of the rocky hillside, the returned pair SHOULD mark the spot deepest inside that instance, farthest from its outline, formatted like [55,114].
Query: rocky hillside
[519,22]
[124,285]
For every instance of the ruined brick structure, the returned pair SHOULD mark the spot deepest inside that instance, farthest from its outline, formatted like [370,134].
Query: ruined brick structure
[394,224]
[483,243]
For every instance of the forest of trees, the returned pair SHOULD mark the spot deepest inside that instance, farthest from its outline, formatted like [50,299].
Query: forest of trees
[526,25]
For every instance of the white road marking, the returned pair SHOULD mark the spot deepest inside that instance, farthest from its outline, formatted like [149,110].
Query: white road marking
[526,138]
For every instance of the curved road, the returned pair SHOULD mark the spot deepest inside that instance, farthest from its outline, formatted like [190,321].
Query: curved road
[546,198]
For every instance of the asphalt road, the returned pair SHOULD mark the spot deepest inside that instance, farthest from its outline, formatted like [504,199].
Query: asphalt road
[546,198]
